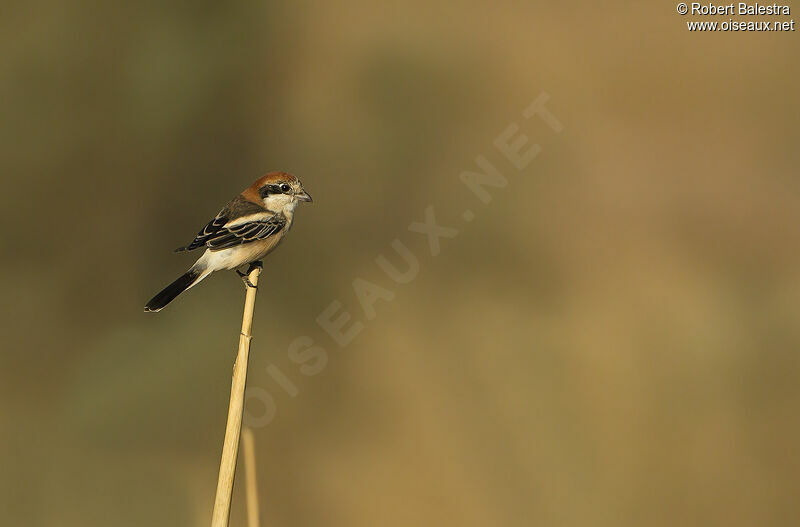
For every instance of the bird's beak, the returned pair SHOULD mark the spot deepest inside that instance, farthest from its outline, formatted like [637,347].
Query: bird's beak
[303,196]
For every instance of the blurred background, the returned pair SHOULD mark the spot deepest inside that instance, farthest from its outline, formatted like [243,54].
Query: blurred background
[611,341]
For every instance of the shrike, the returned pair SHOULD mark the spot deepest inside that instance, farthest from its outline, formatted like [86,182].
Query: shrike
[246,230]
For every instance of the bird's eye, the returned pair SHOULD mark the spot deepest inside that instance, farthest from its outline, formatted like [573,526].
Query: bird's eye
[285,187]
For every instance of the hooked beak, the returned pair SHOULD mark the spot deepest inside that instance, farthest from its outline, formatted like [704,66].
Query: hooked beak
[303,196]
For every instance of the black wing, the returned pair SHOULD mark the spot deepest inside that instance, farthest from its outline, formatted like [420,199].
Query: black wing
[250,231]
[219,235]
[211,229]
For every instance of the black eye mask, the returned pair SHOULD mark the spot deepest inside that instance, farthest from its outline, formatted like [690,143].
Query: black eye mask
[268,190]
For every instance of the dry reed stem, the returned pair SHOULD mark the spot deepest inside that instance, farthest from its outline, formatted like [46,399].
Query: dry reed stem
[251,488]
[230,447]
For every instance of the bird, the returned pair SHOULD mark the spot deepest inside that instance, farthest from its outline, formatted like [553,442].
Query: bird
[248,228]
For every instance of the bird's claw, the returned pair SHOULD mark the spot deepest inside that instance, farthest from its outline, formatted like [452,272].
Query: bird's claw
[244,276]
[246,280]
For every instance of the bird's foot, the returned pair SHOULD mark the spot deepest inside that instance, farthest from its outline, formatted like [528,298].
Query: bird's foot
[244,276]
[246,280]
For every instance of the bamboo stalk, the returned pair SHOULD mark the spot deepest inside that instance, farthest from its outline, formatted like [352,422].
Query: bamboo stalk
[233,428]
[251,489]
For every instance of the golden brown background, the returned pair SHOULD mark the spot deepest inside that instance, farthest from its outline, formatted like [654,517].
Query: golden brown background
[611,342]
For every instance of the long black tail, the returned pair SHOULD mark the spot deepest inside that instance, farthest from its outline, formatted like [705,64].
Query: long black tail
[177,287]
